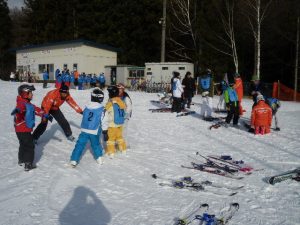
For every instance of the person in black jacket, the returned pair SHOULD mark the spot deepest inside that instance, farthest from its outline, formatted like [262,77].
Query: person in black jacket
[257,88]
[189,88]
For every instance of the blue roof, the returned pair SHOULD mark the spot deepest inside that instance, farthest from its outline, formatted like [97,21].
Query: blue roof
[78,41]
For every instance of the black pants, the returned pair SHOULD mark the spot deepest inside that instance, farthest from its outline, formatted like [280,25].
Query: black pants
[60,118]
[45,83]
[26,149]
[233,112]
[177,105]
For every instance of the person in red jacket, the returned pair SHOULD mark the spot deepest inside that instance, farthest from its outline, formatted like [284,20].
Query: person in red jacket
[238,86]
[261,116]
[51,103]
[24,121]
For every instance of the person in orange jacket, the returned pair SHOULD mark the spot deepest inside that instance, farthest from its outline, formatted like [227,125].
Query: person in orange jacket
[261,116]
[238,86]
[51,103]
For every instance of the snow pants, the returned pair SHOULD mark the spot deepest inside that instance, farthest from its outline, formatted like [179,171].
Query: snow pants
[115,135]
[81,143]
[233,112]
[26,148]
[60,118]
[177,105]
[261,130]
[207,105]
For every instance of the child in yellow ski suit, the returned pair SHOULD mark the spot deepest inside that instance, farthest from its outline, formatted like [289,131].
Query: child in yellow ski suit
[113,120]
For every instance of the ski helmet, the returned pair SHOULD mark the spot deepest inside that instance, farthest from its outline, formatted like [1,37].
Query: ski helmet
[113,91]
[97,95]
[64,88]
[260,97]
[24,89]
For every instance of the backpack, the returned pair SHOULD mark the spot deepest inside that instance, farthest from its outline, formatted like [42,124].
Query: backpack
[205,83]
[91,118]
[29,115]
[119,114]
[232,95]
[173,85]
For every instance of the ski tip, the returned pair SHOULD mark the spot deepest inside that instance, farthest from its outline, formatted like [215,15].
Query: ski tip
[233,193]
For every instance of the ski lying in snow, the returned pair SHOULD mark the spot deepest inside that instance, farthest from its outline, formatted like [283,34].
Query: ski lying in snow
[186,113]
[226,215]
[189,180]
[194,187]
[161,110]
[161,103]
[218,124]
[293,174]
[208,169]
[188,219]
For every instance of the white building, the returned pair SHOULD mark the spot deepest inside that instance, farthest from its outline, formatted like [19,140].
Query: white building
[162,72]
[81,55]
[125,74]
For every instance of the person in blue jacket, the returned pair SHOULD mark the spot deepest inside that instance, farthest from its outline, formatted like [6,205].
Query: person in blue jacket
[101,80]
[80,81]
[45,78]
[91,128]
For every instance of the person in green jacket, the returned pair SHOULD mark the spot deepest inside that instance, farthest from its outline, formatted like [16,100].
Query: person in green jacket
[232,105]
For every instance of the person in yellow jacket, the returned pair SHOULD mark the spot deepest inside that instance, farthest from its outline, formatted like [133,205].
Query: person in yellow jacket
[113,122]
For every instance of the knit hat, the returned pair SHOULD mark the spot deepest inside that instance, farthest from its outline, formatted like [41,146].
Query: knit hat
[260,97]
[176,74]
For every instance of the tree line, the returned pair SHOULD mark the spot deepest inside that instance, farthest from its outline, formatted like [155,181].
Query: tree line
[252,37]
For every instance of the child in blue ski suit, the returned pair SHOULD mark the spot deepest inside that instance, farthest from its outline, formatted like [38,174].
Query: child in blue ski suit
[90,128]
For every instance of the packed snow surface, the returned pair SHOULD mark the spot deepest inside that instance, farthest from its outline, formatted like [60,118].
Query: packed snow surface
[122,191]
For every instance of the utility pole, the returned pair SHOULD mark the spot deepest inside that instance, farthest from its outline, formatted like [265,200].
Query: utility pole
[296,63]
[163,31]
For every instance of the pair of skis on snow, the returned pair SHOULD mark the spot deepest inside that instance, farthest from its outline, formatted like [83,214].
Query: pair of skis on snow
[168,110]
[189,184]
[202,217]
[218,165]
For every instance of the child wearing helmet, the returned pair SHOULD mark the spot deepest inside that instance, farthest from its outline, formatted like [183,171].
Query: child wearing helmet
[90,128]
[275,104]
[113,122]
[24,121]
[232,104]
[128,111]
[261,116]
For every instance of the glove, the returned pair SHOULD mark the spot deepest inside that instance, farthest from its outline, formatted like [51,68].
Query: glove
[48,117]
[81,113]
[227,106]
[205,93]
[15,111]
[105,135]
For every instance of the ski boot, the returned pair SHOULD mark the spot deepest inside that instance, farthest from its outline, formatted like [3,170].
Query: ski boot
[29,166]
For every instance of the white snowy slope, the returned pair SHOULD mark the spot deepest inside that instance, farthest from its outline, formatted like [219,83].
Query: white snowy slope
[122,191]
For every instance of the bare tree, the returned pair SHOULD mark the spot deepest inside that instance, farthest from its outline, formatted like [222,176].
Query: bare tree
[256,15]
[227,21]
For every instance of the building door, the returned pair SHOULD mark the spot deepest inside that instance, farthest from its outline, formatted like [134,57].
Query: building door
[50,69]
[113,76]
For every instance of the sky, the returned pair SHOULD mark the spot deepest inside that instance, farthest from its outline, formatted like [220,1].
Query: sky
[15,3]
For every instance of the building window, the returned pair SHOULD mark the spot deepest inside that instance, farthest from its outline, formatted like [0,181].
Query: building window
[65,66]
[165,68]
[149,73]
[181,68]
[140,73]
[136,73]
[75,66]
[42,68]
[148,68]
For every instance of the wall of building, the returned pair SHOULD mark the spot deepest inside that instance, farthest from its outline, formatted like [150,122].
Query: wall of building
[162,72]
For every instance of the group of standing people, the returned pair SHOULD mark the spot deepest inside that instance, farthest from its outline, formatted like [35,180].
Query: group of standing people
[231,93]
[109,120]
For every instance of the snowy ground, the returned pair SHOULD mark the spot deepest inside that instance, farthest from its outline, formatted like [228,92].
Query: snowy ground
[122,192]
